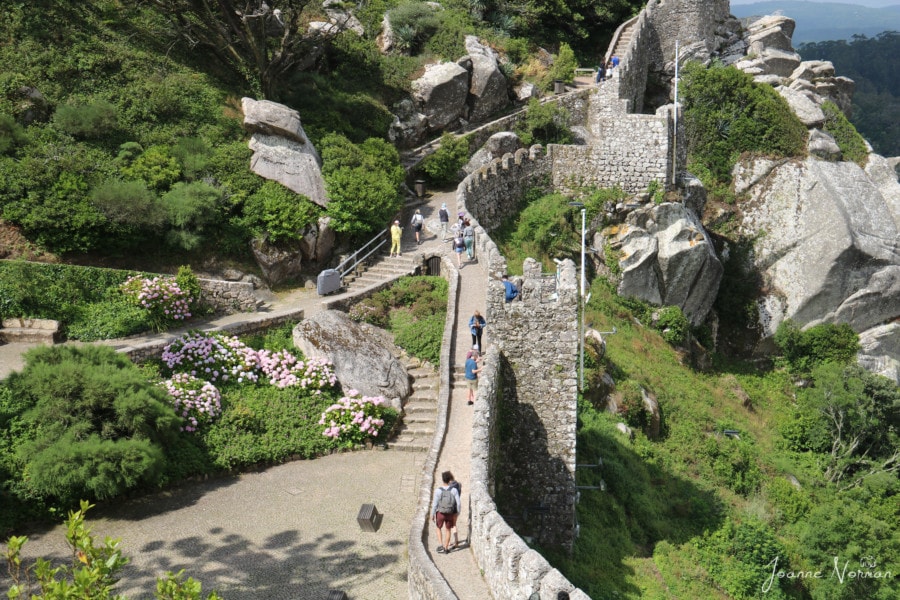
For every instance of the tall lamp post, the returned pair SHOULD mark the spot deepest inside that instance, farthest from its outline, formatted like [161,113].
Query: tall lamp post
[581,339]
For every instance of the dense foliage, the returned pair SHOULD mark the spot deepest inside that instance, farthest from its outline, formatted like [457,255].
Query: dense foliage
[546,123]
[726,114]
[445,164]
[852,145]
[804,349]
[414,309]
[806,481]
[84,423]
[874,66]
[93,303]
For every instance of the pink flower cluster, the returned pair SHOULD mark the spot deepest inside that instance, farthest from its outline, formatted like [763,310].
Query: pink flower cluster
[161,296]
[354,418]
[212,357]
[196,401]
[285,370]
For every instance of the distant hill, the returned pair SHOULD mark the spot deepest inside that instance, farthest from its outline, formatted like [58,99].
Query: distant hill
[819,21]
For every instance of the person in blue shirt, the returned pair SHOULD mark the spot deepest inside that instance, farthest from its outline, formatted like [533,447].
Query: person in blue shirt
[472,371]
[511,290]
[476,327]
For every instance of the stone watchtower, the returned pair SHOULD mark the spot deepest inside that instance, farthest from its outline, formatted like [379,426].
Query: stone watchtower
[534,466]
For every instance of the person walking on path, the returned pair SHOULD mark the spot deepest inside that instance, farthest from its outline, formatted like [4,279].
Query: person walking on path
[444,510]
[454,532]
[600,74]
[458,244]
[469,239]
[476,326]
[417,222]
[472,372]
[396,233]
[615,61]
[444,216]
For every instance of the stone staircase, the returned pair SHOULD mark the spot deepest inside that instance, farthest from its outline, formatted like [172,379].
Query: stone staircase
[420,413]
[380,269]
[624,39]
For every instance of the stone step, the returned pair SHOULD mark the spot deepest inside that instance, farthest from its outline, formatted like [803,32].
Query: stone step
[426,384]
[420,372]
[27,335]
[421,417]
[424,396]
[416,429]
[411,444]
[425,407]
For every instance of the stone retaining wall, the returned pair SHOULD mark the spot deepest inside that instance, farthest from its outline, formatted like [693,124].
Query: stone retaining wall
[229,297]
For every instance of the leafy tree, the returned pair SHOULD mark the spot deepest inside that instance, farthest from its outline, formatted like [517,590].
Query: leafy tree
[261,44]
[94,571]
[444,165]
[363,183]
[92,426]
[192,208]
[11,133]
[564,65]
[156,167]
[827,342]
[853,417]
[129,204]
[726,113]
[545,124]
[279,213]
[93,120]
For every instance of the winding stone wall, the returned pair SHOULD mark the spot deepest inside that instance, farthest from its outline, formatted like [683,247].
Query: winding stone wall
[229,297]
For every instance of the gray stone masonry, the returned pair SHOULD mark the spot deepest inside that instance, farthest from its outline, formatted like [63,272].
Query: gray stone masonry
[228,297]
[538,341]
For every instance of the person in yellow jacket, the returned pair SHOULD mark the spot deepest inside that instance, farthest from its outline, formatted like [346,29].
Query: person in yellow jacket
[396,232]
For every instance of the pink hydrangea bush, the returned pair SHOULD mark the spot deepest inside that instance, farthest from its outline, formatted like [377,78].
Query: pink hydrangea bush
[162,297]
[196,401]
[214,357]
[354,418]
[285,370]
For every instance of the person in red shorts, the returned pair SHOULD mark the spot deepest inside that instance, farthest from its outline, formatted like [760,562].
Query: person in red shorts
[444,510]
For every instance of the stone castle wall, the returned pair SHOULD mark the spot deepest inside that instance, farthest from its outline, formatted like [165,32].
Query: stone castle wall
[229,297]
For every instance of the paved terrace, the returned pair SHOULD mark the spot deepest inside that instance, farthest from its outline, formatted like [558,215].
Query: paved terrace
[290,531]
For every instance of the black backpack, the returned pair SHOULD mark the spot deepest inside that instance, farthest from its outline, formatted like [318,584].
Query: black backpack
[446,504]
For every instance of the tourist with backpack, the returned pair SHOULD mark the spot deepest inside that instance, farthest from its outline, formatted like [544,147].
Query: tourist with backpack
[417,222]
[469,239]
[444,216]
[444,510]
[458,244]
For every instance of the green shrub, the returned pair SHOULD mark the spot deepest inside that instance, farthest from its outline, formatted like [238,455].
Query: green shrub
[564,65]
[95,426]
[444,165]
[419,337]
[448,42]
[673,325]
[192,209]
[827,342]
[726,113]
[738,557]
[516,49]
[791,502]
[129,204]
[11,133]
[363,183]
[544,230]
[107,320]
[852,145]
[278,213]
[193,153]
[93,120]
[156,167]
[546,123]
[413,23]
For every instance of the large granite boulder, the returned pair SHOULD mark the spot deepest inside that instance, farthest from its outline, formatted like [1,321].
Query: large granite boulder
[278,263]
[295,166]
[440,94]
[827,241]
[317,242]
[409,126]
[879,350]
[488,87]
[271,118]
[666,258]
[808,111]
[495,147]
[363,359]
[281,150]
[822,144]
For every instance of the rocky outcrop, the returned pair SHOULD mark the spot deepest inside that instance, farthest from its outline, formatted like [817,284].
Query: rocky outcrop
[440,94]
[495,147]
[281,150]
[487,87]
[827,242]
[277,262]
[362,358]
[822,144]
[666,258]
[879,350]
[805,85]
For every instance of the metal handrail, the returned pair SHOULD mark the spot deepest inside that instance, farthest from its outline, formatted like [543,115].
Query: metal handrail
[380,236]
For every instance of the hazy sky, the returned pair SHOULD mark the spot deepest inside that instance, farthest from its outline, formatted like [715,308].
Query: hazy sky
[872,3]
